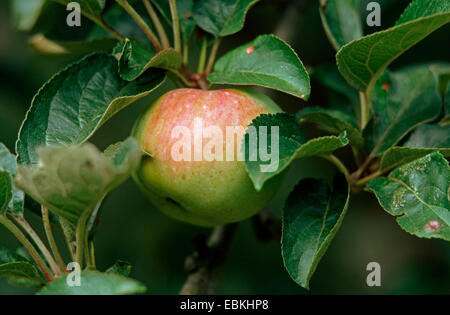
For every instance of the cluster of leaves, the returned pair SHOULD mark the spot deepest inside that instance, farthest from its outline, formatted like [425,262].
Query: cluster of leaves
[69,177]
[127,61]
[398,123]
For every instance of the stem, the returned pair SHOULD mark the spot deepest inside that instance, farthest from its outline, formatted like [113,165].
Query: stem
[81,239]
[366,179]
[202,59]
[365,109]
[204,264]
[51,238]
[181,77]
[159,28]
[140,21]
[29,247]
[185,54]
[92,255]
[212,56]
[87,254]
[37,240]
[340,166]
[68,237]
[110,29]
[357,174]
[176,25]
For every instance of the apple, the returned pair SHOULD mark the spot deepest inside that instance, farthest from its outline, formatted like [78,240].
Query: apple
[198,188]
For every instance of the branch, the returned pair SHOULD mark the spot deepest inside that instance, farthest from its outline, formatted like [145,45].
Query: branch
[204,264]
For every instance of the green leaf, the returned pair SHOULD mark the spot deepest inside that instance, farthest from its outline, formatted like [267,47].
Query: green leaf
[26,13]
[73,104]
[71,181]
[311,218]
[341,21]
[5,191]
[186,14]
[21,270]
[424,140]
[121,268]
[42,44]
[222,17]
[135,58]
[7,256]
[332,121]
[94,283]
[8,163]
[266,61]
[417,194]
[90,8]
[363,60]
[328,75]
[401,101]
[289,142]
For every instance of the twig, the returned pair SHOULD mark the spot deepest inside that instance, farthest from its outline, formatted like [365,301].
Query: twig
[176,25]
[140,21]
[159,28]
[29,247]
[212,56]
[202,58]
[37,240]
[110,29]
[205,262]
[51,238]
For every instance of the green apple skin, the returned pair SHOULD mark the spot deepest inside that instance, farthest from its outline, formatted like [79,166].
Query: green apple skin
[204,193]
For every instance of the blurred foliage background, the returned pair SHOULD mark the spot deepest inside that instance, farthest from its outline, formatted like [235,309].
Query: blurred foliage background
[157,245]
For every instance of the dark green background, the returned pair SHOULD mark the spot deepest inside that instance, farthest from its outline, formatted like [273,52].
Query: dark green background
[157,245]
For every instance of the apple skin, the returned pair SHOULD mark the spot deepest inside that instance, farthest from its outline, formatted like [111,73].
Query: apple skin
[205,193]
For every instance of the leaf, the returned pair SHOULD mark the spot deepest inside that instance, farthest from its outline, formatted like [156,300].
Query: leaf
[332,121]
[424,140]
[44,45]
[5,191]
[90,8]
[311,218]
[289,142]
[26,13]
[222,17]
[187,22]
[73,104]
[363,60]
[135,58]
[8,163]
[328,75]
[7,256]
[401,101]
[21,270]
[71,181]
[121,268]
[266,61]
[417,194]
[94,283]
[341,21]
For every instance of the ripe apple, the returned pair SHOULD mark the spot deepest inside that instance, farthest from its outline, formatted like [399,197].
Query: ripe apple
[198,190]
